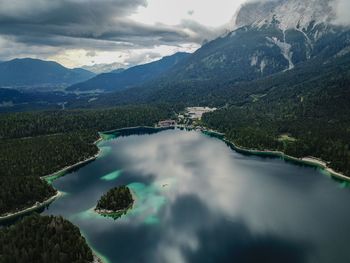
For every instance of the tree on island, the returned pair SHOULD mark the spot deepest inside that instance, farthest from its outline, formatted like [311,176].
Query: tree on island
[115,200]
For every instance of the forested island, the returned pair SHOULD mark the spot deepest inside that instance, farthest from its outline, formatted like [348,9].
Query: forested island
[43,239]
[115,201]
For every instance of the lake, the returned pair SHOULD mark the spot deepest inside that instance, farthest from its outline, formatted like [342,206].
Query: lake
[197,200]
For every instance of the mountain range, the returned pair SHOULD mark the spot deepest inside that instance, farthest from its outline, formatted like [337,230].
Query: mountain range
[37,74]
[269,39]
[104,68]
[134,76]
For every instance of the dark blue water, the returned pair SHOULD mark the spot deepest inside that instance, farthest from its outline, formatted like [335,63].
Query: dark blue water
[199,201]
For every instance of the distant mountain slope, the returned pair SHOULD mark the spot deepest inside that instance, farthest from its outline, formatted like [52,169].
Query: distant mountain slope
[130,77]
[34,73]
[304,79]
[103,68]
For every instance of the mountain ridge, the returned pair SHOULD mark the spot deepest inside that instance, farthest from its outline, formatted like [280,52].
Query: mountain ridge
[29,73]
[274,37]
[133,76]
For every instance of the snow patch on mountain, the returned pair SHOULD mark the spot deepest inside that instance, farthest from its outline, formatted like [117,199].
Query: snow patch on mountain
[254,60]
[263,65]
[285,50]
[308,43]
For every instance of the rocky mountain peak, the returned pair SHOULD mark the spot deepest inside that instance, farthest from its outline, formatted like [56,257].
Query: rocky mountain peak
[287,14]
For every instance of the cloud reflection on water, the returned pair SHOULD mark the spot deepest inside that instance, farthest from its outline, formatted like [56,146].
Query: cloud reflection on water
[219,205]
[265,194]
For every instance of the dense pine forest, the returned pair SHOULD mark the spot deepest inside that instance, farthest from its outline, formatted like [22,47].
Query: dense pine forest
[37,144]
[52,153]
[43,239]
[19,192]
[20,125]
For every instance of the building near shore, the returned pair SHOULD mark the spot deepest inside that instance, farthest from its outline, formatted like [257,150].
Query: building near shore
[196,113]
[167,123]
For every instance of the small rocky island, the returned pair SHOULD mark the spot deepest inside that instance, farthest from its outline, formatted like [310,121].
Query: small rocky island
[115,202]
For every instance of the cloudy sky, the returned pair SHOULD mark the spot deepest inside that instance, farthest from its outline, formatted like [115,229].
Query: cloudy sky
[84,32]
[126,32]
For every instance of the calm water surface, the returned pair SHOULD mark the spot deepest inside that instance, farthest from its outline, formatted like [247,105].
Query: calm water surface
[199,201]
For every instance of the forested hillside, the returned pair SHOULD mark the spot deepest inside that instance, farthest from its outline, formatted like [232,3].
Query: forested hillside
[43,239]
[311,106]
[18,125]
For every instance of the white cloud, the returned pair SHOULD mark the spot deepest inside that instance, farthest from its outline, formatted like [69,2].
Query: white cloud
[126,58]
[83,32]
[78,32]
[209,13]
[342,8]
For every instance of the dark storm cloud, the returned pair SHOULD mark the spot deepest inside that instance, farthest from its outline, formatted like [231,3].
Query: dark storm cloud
[102,24]
[60,12]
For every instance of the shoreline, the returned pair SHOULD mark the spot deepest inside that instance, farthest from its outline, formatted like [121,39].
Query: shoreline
[34,207]
[313,161]
[104,212]
[309,160]
[96,258]
[136,127]
[69,167]
[57,195]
